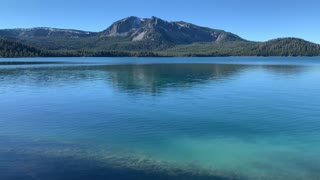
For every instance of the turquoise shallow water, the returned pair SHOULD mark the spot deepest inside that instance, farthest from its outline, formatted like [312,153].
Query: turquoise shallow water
[241,118]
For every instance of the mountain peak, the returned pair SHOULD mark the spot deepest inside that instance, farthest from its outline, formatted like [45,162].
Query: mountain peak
[154,18]
[156,29]
[123,26]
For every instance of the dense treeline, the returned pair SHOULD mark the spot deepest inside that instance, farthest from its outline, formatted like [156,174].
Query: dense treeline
[277,47]
[93,53]
[10,48]
[286,47]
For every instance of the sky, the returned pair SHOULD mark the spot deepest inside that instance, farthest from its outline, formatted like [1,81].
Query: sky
[257,20]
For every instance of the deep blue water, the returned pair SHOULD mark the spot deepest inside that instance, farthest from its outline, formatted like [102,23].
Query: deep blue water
[160,118]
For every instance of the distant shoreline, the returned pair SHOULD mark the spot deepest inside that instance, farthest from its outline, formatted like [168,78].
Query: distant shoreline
[193,56]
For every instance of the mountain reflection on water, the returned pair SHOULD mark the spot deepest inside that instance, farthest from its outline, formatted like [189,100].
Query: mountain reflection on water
[144,120]
[137,78]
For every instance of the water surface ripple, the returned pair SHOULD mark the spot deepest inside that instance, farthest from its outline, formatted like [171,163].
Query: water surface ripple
[160,118]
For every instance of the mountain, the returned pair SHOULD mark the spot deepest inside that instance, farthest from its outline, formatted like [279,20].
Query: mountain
[49,38]
[44,32]
[131,33]
[153,36]
[156,29]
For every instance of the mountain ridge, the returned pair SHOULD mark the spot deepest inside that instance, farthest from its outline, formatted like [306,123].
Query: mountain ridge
[157,36]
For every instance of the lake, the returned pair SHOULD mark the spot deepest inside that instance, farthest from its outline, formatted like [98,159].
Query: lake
[160,118]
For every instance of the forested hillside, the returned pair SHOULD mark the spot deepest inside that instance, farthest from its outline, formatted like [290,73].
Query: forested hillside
[286,47]
[10,48]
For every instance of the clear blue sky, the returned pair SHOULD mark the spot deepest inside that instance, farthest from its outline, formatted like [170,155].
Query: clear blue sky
[258,20]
